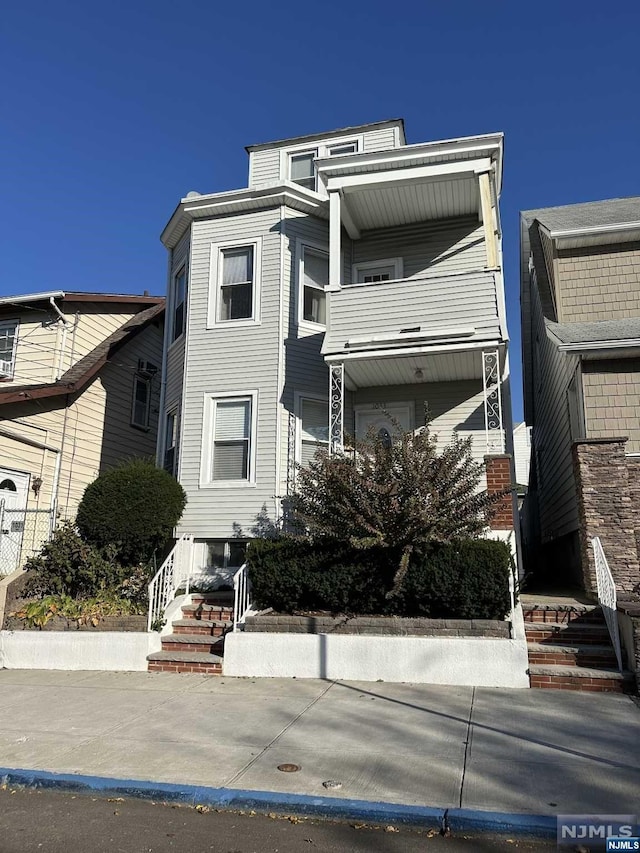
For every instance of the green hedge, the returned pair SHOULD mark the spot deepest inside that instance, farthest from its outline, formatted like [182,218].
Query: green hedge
[466,579]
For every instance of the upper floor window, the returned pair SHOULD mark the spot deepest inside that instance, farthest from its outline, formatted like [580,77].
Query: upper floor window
[302,169]
[171,443]
[235,277]
[8,342]
[229,440]
[314,278]
[179,303]
[342,148]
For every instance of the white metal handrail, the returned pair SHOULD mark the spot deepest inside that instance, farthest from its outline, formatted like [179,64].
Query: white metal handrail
[241,596]
[607,597]
[175,570]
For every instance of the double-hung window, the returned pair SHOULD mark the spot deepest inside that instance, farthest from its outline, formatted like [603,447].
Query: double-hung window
[179,303]
[315,278]
[228,450]
[141,405]
[235,284]
[8,341]
[170,443]
[314,428]
[302,169]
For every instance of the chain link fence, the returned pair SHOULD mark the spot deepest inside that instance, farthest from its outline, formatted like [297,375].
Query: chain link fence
[23,532]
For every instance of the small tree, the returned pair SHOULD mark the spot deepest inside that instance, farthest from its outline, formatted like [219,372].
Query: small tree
[403,494]
[133,507]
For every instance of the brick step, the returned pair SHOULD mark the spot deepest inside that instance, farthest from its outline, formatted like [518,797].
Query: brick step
[192,643]
[207,612]
[567,633]
[562,613]
[205,627]
[590,656]
[548,676]
[218,599]
[206,664]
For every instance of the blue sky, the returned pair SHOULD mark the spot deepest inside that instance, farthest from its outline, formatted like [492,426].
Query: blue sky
[115,110]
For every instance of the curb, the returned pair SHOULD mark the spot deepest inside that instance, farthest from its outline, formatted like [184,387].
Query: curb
[232,799]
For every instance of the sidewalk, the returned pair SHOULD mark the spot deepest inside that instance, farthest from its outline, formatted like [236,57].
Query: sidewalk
[538,752]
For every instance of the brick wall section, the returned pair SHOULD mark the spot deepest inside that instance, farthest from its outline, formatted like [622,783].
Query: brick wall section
[611,394]
[499,479]
[606,510]
[599,283]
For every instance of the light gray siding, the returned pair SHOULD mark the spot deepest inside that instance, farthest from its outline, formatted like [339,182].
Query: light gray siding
[264,167]
[227,359]
[388,307]
[427,248]
[382,139]
[552,372]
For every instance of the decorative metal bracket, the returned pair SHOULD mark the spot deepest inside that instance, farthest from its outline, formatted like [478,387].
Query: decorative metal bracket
[336,407]
[291,453]
[492,388]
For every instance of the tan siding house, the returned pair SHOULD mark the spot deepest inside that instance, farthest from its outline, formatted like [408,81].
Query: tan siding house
[580,289]
[81,393]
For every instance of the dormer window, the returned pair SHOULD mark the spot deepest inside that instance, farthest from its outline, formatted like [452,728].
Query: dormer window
[302,169]
[342,149]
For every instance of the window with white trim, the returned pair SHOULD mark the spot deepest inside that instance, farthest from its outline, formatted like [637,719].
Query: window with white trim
[141,404]
[8,342]
[302,169]
[226,553]
[237,279]
[179,303]
[342,148]
[314,428]
[314,275]
[371,272]
[171,443]
[230,458]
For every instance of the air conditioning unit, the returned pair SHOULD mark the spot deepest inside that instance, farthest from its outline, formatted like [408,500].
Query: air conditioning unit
[6,369]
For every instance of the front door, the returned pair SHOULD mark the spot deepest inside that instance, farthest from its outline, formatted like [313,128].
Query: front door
[382,419]
[14,490]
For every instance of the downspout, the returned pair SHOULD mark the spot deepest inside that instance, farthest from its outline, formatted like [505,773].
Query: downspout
[63,345]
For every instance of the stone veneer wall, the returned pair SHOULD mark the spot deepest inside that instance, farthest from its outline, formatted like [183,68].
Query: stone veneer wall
[608,486]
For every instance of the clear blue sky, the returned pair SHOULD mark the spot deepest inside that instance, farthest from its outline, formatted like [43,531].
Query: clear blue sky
[113,111]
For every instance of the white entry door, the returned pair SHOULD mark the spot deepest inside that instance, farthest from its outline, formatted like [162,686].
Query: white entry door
[382,420]
[14,490]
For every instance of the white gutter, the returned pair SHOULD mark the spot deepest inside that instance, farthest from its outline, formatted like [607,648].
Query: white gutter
[594,229]
[584,346]
[32,297]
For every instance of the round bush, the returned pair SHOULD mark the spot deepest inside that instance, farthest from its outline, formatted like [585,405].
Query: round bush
[133,507]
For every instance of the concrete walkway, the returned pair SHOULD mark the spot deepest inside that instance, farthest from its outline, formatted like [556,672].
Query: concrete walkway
[520,751]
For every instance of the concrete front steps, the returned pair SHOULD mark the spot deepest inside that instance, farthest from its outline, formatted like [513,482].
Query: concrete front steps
[569,646]
[196,643]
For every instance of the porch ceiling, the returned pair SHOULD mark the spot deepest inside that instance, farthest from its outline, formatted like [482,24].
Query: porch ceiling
[412,201]
[401,369]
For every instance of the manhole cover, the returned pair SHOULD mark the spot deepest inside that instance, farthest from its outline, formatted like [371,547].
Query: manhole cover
[288,768]
[332,784]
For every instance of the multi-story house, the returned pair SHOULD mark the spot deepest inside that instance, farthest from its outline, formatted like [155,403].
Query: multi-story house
[580,289]
[79,392]
[354,280]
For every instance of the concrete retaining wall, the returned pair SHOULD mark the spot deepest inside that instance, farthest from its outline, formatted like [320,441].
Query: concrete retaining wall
[77,650]
[470,661]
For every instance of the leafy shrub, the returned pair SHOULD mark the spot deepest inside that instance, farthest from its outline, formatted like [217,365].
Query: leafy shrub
[133,507]
[67,565]
[400,496]
[85,611]
[465,579]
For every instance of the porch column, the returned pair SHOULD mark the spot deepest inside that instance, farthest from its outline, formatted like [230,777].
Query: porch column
[498,479]
[336,407]
[335,226]
[486,208]
[491,384]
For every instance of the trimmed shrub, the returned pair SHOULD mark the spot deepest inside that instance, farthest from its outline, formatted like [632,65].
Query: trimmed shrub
[69,566]
[133,507]
[464,579]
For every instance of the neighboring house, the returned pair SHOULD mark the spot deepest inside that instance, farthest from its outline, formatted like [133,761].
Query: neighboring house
[356,279]
[79,392]
[580,289]
[522,455]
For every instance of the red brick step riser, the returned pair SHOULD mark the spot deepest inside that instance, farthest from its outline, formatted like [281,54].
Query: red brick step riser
[215,648]
[587,685]
[171,666]
[564,616]
[571,635]
[572,659]
[205,630]
[213,615]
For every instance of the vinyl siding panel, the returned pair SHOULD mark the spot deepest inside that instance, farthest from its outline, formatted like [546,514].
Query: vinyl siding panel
[264,167]
[387,307]
[228,359]
[552,372]
[37,351]
[427,248]
[95,322]
[382,139]
[611,391]
[599,283]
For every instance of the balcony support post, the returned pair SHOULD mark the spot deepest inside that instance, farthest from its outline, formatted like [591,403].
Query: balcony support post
[486,207]
[335,255]
[491,384]
[336,407]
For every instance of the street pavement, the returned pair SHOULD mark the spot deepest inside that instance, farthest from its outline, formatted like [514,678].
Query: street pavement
[538,752]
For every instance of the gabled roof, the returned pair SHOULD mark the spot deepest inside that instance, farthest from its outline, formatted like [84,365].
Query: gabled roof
[79,375]
[591,214]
